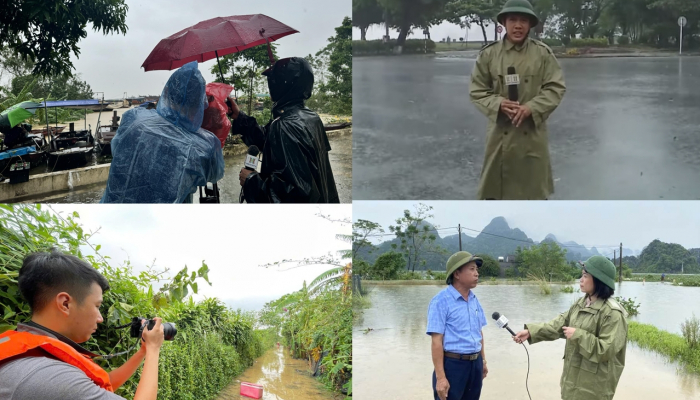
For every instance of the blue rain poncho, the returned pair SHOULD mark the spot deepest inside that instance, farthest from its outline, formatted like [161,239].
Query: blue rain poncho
[163,155]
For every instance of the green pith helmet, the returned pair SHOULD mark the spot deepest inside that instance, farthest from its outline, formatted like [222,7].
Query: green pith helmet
[458,259]
[602,269]
[518,7]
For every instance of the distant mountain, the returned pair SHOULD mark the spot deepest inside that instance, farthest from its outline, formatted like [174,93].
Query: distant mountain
[696,253]
[667,257]
[498,239]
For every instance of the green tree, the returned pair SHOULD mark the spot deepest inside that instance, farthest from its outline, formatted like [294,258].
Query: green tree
[47,32]
[542,261]
[361,230]
[416,238]
[245,68]
[366,13]
[407,14]
[338,84]
[480,12]
[490,267]
[387,266]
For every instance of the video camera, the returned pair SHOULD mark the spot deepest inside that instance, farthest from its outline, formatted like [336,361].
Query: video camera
[136,328]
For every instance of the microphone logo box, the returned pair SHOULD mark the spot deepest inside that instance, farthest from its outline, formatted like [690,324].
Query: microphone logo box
[513,79]
[251,161]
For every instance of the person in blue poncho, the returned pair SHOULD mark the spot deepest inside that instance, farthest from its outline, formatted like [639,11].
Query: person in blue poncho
[163,155]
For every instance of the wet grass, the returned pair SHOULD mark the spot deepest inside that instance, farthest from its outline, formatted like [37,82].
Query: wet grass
[673,346]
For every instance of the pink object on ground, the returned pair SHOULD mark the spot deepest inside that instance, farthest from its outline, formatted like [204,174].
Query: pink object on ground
[251,390]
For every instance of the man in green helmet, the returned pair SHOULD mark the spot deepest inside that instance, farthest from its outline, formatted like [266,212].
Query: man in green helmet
[517,165]
[595,329]
[455,320]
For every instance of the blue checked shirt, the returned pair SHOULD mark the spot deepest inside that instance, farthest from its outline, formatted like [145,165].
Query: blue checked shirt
[459,320]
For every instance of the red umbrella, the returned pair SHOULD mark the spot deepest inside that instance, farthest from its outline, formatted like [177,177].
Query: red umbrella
[215,37]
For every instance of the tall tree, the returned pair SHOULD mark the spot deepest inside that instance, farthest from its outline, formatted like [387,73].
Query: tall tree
[366,13]
[48,31]
[339,80]
[407,14]
[416,237]
[361,230]
[542,260]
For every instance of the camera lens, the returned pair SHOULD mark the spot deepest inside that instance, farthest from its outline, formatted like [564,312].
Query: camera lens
[169,330]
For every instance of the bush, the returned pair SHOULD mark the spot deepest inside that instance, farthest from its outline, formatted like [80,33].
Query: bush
[378,47]
[387,266]
[490,266]
[623,40]
[511,273]
[630,305]
[410,275]
[567,289]
[691,331]
[590,42]
[551,42]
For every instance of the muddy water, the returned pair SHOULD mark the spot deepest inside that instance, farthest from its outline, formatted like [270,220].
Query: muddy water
[394,361]
[282,378]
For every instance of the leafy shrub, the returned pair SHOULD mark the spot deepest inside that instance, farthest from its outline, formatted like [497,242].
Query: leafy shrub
[567,289]
[630,305]
[623,40]
[691,331]
[552,42]
[589,42]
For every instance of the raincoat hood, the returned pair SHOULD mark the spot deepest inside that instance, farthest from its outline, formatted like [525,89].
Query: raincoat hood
[183,100]
[290,80]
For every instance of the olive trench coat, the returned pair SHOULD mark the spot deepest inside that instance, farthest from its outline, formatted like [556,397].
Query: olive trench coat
[516,164]
[594,357]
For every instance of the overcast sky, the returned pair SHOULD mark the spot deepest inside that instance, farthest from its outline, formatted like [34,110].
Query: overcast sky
[112,63]
[233,240]
[590,223]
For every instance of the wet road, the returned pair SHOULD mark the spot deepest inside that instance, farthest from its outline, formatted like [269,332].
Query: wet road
[628,128]
[282,378]
[341,163]
[398,316]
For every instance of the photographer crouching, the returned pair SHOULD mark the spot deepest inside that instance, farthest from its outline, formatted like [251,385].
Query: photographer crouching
[295,166]
[42,359]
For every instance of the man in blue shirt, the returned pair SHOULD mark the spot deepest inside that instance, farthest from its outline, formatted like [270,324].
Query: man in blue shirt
[455,320]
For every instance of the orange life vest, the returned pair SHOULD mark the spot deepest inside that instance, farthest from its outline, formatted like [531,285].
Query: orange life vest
[13,343]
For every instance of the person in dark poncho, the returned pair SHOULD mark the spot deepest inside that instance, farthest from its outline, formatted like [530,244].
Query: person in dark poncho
[295,165]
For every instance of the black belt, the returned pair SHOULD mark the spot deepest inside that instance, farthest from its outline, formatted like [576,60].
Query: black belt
[470,357]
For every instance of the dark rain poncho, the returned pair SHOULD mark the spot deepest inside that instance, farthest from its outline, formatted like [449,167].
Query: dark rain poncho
[163,155]
[295,166]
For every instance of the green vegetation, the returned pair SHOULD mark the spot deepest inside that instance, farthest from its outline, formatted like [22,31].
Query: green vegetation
[213,343]
[691,332]
[673,346]
[48,32]
[677,280]
[316,324]
[630,305]
[660,257]
[378,47]
[567,289]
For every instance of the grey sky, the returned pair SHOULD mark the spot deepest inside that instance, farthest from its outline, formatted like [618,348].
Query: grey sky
[598,223]
[112,63]
[233,240]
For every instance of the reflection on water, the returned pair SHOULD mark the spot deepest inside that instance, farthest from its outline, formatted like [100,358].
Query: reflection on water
[394,360]
[282,378]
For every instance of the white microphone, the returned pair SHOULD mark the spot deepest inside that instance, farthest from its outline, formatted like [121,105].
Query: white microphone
[502,322]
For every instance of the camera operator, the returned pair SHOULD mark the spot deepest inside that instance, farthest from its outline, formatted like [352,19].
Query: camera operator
[41,359]
[295,168]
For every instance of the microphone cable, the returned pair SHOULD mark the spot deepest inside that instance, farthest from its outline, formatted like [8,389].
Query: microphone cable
[528,371]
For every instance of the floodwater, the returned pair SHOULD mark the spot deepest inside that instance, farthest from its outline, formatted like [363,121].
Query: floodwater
[230,188]
[394,361]
[626,129]
[282,378]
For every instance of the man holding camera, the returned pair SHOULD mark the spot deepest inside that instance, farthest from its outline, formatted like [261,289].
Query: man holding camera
[42,359]
[296,168]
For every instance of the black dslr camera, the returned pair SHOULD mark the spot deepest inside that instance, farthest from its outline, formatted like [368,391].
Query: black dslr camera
[136,328]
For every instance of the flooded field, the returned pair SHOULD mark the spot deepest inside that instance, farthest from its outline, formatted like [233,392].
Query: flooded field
[394,360]
[282,377]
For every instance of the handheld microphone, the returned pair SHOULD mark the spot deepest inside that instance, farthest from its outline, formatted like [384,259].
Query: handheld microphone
[502,322]
[251,160]
[512,81]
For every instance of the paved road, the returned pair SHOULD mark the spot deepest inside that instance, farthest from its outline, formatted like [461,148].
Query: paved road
[628,128]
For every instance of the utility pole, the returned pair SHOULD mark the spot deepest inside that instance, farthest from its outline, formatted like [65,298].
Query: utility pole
[620,262]
[459,227]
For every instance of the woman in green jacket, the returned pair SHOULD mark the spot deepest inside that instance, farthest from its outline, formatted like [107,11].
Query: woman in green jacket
[595,328]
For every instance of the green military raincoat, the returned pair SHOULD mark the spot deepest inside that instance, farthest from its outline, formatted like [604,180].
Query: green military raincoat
[595,354]
[517,166]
